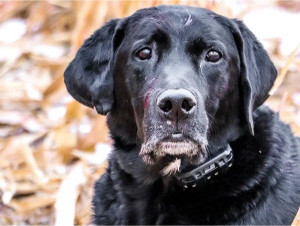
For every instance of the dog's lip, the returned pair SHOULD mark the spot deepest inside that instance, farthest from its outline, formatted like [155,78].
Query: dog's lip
[178,138]
[177,135]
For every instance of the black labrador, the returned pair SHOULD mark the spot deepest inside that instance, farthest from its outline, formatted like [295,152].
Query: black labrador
[183,89]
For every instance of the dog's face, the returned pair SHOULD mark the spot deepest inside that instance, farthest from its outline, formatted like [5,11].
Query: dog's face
[175,79]
[176,70]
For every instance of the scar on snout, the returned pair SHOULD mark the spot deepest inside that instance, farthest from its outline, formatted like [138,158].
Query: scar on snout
[149,92]
[146,101]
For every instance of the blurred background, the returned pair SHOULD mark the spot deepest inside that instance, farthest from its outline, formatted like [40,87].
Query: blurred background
[52,149]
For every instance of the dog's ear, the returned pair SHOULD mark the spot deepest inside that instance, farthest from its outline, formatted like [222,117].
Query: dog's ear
[258,73]
[257,70]
[89,77]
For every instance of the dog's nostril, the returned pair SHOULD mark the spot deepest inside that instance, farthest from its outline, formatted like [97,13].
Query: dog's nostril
[166,105]
[187,105]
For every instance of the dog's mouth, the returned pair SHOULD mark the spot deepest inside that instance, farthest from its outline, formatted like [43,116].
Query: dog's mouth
[172,151]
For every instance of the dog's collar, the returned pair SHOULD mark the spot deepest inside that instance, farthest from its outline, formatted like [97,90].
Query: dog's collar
[209,171]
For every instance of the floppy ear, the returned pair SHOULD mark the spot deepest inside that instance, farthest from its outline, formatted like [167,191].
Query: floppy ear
[257,70]
[89,77]
[258,73]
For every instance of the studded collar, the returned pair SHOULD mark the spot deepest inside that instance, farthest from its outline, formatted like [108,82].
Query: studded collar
[209,171]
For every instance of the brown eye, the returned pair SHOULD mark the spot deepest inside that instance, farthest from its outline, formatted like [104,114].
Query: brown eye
[144,54]
[213,56]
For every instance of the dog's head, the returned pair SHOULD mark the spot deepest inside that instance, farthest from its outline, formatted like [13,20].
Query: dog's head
[175,80]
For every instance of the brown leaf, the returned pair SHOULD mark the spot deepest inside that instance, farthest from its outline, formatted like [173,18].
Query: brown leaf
[296,221]
[75,111]
[32,202]
[98,133]
[284,70]
[67,196]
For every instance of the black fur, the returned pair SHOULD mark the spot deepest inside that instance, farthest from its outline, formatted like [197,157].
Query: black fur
[263,185]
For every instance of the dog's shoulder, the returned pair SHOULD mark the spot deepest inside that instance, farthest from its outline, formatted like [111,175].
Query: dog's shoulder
[276,154]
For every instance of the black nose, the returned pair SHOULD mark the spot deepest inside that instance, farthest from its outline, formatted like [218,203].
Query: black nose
[176,104]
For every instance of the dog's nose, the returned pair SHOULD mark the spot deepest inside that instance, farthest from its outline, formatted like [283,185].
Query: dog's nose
[176,104]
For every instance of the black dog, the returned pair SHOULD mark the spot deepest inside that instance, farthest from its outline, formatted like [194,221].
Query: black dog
[183,87]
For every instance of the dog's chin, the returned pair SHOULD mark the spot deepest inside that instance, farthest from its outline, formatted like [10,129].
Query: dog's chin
[169,154]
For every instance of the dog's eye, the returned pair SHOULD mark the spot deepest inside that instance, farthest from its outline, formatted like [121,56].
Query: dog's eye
[144,54]
[213,56]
